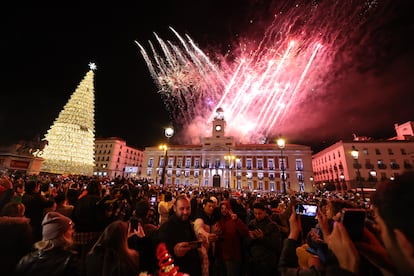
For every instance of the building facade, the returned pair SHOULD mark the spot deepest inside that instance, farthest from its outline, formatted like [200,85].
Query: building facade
[336,168]
[114,158]
[220,162]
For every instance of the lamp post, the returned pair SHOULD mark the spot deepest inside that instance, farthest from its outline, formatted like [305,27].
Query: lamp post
[163,147]
[168,132]
[229,159]
[355,155]
[281,144]
[342,177]
[313,185]
[237,173]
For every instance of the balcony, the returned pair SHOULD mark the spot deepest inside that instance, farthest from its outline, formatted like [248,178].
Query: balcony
[408,166]
[394,166]
[382,166]
[369,166]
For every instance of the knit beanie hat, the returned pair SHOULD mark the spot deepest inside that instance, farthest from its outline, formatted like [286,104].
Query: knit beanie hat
[55,225]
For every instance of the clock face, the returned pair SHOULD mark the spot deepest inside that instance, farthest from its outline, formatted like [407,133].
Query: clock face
[218,127]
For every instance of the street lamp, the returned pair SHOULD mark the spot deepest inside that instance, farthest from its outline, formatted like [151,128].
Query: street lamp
[237,173]
[311,180]
[281,144]
[342,177]
[355,155]
[168,132]
[229,159]
[163,147]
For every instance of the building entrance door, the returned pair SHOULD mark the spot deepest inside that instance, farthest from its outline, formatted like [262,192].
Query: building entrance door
[216,180]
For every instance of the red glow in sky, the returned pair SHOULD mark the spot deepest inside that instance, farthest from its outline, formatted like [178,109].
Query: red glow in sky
[263,86]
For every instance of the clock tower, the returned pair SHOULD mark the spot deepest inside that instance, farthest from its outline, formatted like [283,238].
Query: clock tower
[219,124]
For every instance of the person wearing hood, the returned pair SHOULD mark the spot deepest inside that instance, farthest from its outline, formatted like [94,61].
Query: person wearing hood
[52,255]
[229,245]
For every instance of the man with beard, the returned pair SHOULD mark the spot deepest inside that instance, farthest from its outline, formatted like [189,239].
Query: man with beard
[178,234]
[206,228]
[264,243]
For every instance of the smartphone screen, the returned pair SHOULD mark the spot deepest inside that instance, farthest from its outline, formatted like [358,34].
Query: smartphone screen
[153,200]
[310,210]
[354,222]
[134,224]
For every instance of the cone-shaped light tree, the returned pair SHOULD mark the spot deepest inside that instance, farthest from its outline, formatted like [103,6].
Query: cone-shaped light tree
[70,148]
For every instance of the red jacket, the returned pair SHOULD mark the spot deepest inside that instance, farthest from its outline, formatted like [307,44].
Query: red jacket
[229,246]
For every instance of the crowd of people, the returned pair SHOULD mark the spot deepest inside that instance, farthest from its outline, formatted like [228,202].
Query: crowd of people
[77,225]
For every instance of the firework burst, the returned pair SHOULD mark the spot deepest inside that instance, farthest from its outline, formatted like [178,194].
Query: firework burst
[266,83]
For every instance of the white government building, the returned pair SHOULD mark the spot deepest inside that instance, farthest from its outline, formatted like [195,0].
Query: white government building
[221,162]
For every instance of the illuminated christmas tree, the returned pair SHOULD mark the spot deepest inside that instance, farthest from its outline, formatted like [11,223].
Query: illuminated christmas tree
[70,148]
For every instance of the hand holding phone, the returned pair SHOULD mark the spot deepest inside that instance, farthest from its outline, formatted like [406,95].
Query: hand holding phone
[353,220]
[194,244]
[309,210]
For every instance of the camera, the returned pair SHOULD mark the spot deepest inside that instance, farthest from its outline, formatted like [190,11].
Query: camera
[309,210]
[353,220]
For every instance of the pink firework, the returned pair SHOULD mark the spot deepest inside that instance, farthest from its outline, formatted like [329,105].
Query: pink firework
[266,84]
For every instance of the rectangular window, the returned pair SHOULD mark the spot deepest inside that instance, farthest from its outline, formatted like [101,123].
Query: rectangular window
[207,165]
[249,164]
[170,162]
[390,152]
[403,152]
[299,165]
[188,163]
[271,164]
[217,163]
[161,161]
[377,152]
[238,163]
[238,184]
[197,163]
[260,164]
[381,164]
[179,162]
[196,173]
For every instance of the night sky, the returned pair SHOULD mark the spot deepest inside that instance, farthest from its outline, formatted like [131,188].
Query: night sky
[45,53]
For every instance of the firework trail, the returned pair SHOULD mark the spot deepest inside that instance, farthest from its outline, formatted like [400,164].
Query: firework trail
[304,48]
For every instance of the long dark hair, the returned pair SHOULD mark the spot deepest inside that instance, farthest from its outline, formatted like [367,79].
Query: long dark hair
[113,242]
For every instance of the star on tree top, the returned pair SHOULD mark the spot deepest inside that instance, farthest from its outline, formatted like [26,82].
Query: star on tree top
[92,65]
